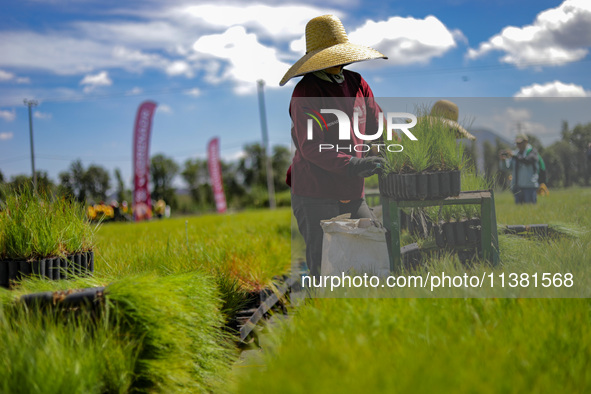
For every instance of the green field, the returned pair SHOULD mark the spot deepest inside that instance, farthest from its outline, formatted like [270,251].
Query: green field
[172,285]
[446,345]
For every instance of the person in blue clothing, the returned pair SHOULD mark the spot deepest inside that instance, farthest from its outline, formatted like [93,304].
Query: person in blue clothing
[524,164]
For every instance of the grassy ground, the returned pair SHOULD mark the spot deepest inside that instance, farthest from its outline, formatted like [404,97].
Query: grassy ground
[171,286]
[248,246]
[445,345]
[154,334]
[172,283]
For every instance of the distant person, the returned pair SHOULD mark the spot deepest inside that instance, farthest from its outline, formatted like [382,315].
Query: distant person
[524,164]
[160,208]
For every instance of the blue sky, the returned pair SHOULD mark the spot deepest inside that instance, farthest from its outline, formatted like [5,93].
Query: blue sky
[91,63]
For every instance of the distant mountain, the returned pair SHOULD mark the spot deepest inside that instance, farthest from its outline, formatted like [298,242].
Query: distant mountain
[483,134]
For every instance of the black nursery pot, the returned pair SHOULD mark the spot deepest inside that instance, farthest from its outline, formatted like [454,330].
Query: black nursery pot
[433,185]
[25,268]
[90,261]
[410,183]
[83,264]
[65,267]
[77,264]
[455,183]
[460,234]
[49,267]
[422,186]
[516,229]
[386,185]
[444,185]
[448,231]
[470,232]
[475,226]
[539,229]
[392,189]
[38,267]
[4,273]
[13,270]
[57,269]
[401,187]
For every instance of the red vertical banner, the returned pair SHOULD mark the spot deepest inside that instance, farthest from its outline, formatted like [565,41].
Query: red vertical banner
[215,174]
[142,205]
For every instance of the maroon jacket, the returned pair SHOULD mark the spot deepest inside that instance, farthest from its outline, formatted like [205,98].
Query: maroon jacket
[323,174]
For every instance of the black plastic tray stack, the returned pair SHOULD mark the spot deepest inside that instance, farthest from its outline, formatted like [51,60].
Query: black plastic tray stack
[422,186]
[53,268]
[458,234]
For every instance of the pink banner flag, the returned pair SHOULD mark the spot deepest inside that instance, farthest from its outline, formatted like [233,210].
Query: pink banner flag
[142,205]
[215,174]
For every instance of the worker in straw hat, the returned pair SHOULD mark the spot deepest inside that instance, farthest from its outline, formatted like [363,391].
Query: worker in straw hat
[448,112]
[327,172]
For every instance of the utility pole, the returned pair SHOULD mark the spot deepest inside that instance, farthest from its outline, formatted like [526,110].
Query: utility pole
[30,104]
[263,114]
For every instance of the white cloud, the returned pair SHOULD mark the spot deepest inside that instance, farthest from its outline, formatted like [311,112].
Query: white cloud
[42,115]
[8,76]
[513,120]
[247,59]
[553,89]
[160,36]
[73,55]
[135,91]
[234,156]
[407,40]
[164,108]
[7,115]
[403,40]
[143,35]
[96,80]
[55,52]
[179,68]
[195,92]
[558,35]
[136,60]
[269,21]
[6,135]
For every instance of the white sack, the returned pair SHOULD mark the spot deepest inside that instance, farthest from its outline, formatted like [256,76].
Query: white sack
[355,246]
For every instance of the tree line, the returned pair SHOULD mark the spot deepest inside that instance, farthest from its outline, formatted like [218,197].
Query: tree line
[568,160]
[245,181]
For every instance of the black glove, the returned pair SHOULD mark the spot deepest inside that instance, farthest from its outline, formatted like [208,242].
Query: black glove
[366,166]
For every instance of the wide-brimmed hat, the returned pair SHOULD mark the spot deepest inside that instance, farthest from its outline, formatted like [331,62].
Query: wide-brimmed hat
[327,45]
[448,112]
[520,138]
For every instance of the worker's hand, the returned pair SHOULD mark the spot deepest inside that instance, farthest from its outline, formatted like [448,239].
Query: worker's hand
[505,154]
[366,166]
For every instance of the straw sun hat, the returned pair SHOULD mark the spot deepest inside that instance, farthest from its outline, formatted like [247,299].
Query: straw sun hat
[520,138]
[327,46]
[448,112]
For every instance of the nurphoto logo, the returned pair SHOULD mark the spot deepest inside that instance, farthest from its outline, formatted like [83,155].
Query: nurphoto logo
[344,123]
